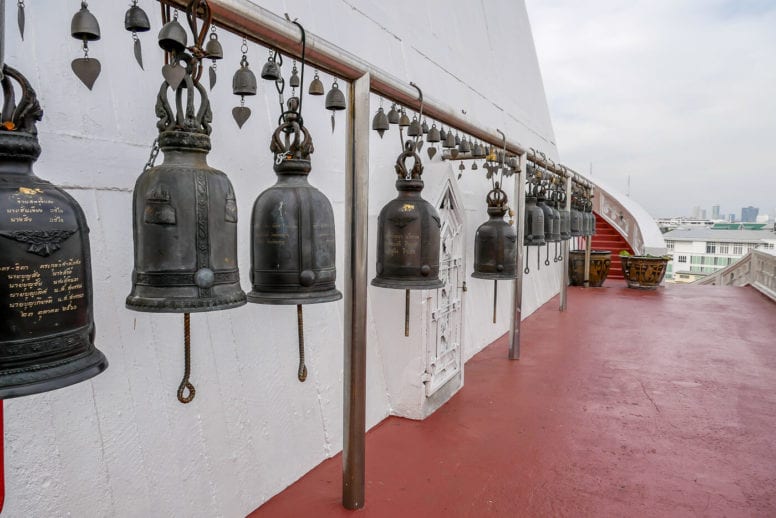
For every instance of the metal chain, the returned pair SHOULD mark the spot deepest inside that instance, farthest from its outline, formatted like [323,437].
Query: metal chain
[152,157]
[302,373]
[185,383]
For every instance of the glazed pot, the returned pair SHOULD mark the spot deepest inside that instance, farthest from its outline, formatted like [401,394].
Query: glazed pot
[600,260]
[643,272]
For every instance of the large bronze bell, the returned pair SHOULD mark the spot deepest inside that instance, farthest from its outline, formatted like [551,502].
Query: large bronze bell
[550,225]
[565,218]
[84,25]
[495,245]
[185,218]
[576,219]
[534,223]
[136,20]
[172,37]
[292,227]
[47,326]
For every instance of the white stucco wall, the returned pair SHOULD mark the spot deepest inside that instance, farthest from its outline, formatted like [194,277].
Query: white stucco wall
[121,444]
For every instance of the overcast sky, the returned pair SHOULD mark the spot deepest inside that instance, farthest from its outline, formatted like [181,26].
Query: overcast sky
[678,94]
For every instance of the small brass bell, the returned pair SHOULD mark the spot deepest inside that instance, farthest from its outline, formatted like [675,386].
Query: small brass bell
[464,146]
[414,129]
[433,134]
[335,99]
[213,48]
[449,142]
[270,71]
[172,37]
[136,20]
[393,114]
[380,122]
[294,81]
[84,25]
[244,80]
[404,120]
[316,86]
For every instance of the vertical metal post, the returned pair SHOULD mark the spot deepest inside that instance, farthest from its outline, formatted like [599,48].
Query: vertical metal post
[356,242]
[2,37]
[588,244]
[517,300]
[564,281]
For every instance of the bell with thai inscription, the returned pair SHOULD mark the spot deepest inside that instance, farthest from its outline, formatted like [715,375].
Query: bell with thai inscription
[408,235]
[292,226]
[47,328]
[495,245]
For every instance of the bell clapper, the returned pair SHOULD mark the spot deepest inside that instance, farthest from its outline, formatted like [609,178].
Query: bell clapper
[20,17]
[547,256]
[495,299]
[406,312]
[302,373]
[527,269]
[185,383]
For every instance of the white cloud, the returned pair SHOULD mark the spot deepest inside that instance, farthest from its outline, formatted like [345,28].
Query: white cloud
[681,96]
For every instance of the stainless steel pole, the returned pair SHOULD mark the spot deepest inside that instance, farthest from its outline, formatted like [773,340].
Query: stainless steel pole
[588,244]
[564,282]
[517,300]
[356,239]
[2,37]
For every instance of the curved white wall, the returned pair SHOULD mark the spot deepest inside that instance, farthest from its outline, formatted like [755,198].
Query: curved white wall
[121,444]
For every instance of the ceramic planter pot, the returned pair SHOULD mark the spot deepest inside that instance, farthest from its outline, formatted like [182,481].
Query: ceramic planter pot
[642,272]
[600,260]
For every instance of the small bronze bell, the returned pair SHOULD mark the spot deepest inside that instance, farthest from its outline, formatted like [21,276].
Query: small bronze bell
[316,86]
[380,122]
[294,81]
[172,37]
[270,71]
[393,115]
[495,245]
[335,99]
[404,121]
[443,135]
[213,48]
[47,325]
[449,142]
[457,139]
[136,20]
[464,146]
[84,25]
[534,223]
[478,151]
[244,80]
[424,127]
[433,135]
[414,129]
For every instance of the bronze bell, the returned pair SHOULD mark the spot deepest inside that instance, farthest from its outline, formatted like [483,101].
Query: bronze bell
[550,223]
[408,233]
[335,99]
[443,135]
[136,20]
[84,25]
[393,115]
[47,326]
[449,142]
[294,81]
[590,229]
[213,47]
[565,218]
[316,86]
[457,139]
[576,220]
[478,151]
[292,227]
[185,217]
[244,81]
[424,127]
[404,121]
[433,134]
[464,146]
[534,223]
[172,37]
[270,71]
[495,244]
[380,122]
[414,129]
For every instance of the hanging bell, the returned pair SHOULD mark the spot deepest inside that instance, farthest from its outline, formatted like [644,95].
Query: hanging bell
[380,122]
[433,135]
[172,37]
[270,71]
[185,218]
[136,20]
[565,218]
[244,80]
[316,86]
[534,223]
[478,151]
[464,146]
[443,134]
[549,219]
[414,129]
[556,223]
[393,115]
[408,233]
[294,81]
[404,121]
[576,220]
[47,326]
[84,25]
[449,142]
[292,228]
[213,48]
[457,139]
[495,243]
[424,127]
[335,99]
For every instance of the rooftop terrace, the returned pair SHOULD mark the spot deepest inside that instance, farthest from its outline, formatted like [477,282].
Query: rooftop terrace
[630,403]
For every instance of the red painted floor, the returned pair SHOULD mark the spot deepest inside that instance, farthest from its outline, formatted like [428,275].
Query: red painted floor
[632,403]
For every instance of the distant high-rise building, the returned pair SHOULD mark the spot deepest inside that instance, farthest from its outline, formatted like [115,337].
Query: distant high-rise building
[696,212]
[731,218]
[703,213]
[715,212]
[749,214]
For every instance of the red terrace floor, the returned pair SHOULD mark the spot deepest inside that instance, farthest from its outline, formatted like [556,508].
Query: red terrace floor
[630,404]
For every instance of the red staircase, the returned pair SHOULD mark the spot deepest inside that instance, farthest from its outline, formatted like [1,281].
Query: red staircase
[607,238]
